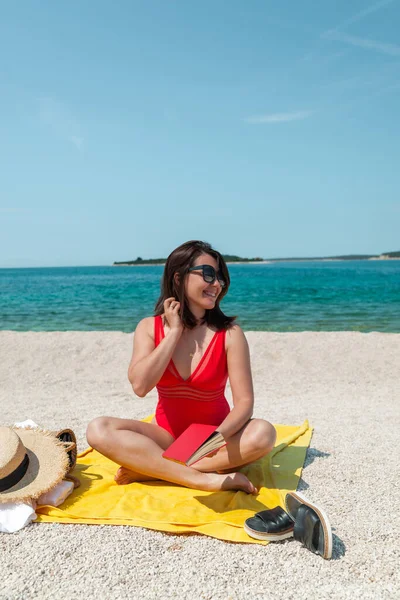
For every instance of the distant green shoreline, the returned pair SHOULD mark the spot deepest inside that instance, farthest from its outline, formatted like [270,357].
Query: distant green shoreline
[229,258]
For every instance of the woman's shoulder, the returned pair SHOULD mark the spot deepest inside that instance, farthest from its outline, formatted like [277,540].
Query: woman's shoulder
[234,335]
[146,325]
[146,322]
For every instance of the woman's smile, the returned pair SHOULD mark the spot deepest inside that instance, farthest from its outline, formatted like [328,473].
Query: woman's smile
[210,294]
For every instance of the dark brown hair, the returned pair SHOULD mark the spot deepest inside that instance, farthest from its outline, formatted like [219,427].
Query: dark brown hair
[180,261]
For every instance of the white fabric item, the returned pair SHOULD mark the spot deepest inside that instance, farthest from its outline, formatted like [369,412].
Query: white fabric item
[25,424]
[14,516]
[57,494]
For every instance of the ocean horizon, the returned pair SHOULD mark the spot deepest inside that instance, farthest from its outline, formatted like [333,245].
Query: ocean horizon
[329,295]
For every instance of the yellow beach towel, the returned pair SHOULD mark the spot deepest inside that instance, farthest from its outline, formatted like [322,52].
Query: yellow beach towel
[168,507]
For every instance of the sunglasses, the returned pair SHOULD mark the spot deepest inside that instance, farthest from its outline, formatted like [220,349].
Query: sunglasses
[209,274]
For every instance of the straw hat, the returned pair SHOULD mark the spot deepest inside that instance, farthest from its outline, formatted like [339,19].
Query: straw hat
[32,461]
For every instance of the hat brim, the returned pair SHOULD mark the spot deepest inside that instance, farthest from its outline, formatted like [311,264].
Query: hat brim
[48,463]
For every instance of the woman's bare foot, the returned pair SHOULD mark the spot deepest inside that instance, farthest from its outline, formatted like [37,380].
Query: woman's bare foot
[233,481]
[125,476]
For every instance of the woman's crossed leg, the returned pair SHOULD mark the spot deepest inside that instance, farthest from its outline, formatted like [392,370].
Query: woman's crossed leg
[138,447]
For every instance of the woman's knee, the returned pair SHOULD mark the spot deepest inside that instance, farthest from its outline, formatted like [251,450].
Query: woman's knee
[263,435]
[97,431]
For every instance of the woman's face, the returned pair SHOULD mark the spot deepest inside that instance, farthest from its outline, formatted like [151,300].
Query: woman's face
[198,292]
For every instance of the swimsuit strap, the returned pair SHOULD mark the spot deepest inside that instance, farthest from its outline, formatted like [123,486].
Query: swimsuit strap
[158,330]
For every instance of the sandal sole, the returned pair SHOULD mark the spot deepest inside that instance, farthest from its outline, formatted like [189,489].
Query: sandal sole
[269,537]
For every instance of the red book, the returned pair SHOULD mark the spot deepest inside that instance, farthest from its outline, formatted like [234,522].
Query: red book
[196,442]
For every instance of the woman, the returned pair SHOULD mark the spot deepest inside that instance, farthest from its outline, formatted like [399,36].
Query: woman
[188,350]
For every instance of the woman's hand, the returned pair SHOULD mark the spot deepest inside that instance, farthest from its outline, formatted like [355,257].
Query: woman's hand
[171,311]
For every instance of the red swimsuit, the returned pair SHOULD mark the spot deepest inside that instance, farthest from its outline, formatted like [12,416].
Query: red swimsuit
[198,399]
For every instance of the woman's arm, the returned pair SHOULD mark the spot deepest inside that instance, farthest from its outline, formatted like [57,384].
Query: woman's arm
[239,372]
[149,363]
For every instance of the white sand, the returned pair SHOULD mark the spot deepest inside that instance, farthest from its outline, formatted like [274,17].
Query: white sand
[346,384]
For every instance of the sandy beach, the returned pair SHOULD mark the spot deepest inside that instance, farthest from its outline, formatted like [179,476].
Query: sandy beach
[345,383]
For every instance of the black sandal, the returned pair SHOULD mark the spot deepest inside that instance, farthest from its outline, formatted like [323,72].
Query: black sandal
[311,524]
[270,525]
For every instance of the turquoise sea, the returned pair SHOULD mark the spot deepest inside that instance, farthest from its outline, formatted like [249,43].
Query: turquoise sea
[292,296]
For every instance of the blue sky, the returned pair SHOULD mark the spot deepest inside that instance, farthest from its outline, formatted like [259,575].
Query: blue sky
[268,129]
